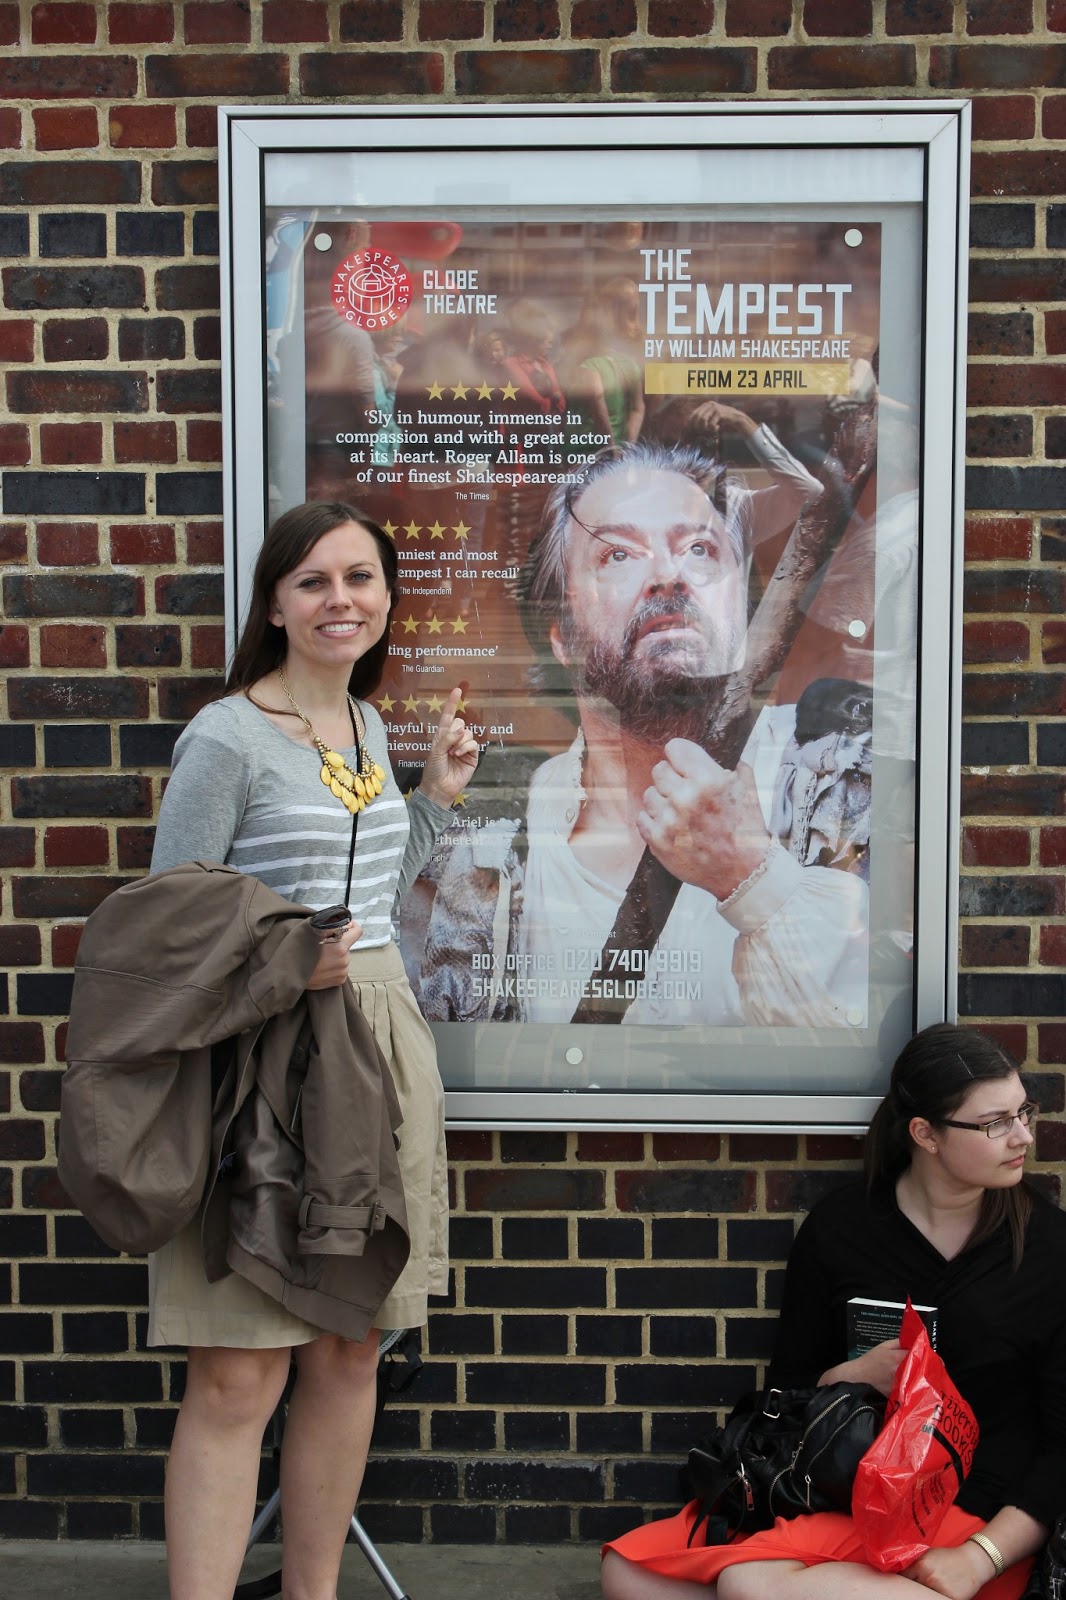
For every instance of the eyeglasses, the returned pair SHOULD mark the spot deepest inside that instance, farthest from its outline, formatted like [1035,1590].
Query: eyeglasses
[1001,1126]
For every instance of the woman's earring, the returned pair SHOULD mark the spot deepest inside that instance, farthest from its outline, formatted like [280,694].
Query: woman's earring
[933,1148]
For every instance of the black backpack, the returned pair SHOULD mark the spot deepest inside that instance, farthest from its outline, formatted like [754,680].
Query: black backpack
[782,1453]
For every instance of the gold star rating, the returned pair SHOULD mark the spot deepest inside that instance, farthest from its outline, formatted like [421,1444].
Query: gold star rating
[386,703]
[436,531]
[458,625]
[484,391]
[460,800]
[410,625]
[412,529]
[435,392]
[410,704]
[509,392]
[434,625]
[460,390]
[390,528]
[460,704]
[434,703]
[461,530]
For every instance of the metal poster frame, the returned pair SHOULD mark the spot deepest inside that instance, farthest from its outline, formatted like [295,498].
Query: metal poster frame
[460,219]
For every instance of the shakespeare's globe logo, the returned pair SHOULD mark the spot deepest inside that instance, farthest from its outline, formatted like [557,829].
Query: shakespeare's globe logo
[371,289]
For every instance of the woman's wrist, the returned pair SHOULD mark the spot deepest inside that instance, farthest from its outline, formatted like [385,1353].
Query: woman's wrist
[989,1549]
[436,795]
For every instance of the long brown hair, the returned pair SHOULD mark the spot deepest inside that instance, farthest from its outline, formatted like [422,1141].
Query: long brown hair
[262,643]
[932,1076]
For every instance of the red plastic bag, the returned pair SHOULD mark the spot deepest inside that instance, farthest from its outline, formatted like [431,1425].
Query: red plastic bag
[912,1472]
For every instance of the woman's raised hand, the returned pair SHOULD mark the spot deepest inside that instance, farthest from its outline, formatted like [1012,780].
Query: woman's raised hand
[876,1367]
[452,758]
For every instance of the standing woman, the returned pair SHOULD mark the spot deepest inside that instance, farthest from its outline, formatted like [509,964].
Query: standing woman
[945,1218]
[247,789]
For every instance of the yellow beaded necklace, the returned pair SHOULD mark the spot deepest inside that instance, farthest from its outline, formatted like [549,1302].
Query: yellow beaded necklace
[355,790]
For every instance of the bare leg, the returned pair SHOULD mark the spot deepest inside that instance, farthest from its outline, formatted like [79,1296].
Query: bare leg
[624,1580]
[831,1580]
[327,1436]
[214,1466]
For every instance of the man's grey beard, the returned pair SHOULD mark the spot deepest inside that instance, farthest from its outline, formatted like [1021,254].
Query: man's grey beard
[655,701]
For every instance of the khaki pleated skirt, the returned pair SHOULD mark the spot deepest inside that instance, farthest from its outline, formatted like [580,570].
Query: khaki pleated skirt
[185,1309]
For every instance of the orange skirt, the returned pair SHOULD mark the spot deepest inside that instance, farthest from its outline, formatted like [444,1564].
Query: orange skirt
[825,1536]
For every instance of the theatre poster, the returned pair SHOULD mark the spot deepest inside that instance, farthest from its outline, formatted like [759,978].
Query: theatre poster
[660,411]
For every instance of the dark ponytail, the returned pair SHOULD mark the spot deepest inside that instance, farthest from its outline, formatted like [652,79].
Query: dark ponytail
[932,1076]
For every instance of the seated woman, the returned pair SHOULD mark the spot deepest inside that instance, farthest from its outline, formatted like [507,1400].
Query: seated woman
[946,1218]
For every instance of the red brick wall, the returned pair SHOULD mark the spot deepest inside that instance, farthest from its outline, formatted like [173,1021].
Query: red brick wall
[607,1286]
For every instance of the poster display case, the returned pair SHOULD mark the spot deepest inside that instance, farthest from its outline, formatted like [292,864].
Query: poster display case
[662,408]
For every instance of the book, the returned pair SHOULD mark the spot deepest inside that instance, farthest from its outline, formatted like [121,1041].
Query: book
[870,1322]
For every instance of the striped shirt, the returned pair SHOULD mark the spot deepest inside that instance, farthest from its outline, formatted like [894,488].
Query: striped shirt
[243,793]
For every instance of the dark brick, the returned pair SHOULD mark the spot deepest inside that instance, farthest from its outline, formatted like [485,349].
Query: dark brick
[536,1430]
[999,436]
[470,1238]
[147,646]
[655,1383]
[602,19]
[688,1286]
[529,1147]
[30,1519]
[995,744]
[85,745]
[997,66]
[187,288]
[763,1147]
[516,20]
[837,18]
[181,698]
[296,22]
[114,1283]
[95,1333]
[1009,116]
[999,16]
[430,1478]
[184,183]
[23,1427]
[684,1238]
[983,946]
[610,1238]
[15,235]
[80,77]
[75,339]
[205,233]
[371,21]
[67,595]
[82,797]
[679,1190]
[207,338]
[101,1473]
[1055,438]
[74,493]
[535,1238]
[464,1430]
[74,1237]
[146,233]
[533,1480]
[62,288]
[546,1287]
[386,72]
[541,73]
[1016,994]
[58,897]
[230,76]
[91,1429]
[188,494]
[1017,794]
[151,339]
[462,1335]
[695,1337]
[217,22]
[79,233]
[533,1190]
[60,183]
[609,1336]
[18,748]
[557,1383]
[461,1524]
[21,1041]
[750,1338]
[798,1191]
[44,994]
[450,19]
[689,19]
[1051,744]
[525,1335]
[185,390]
[999,227]
[609,1432]
[1014,279]
[1015,488]
[873,66]
[995,333]
[77,391]
[1011,897]
[714,69]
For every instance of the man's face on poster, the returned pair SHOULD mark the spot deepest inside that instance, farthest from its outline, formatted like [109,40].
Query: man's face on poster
[656,599]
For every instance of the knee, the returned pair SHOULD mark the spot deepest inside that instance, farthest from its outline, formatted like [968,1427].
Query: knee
[740,1583]
[236,1387]
[344,1363]
[615,1577]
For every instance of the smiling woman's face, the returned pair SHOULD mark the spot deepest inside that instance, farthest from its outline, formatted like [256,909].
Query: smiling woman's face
[334,605]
